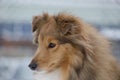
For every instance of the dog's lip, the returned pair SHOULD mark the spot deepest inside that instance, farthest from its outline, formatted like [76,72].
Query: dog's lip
[39,72]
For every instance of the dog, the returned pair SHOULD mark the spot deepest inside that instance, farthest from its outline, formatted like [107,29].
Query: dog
[70,49]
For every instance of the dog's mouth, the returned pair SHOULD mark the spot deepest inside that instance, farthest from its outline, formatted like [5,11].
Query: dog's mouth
[39,72]
[45,75]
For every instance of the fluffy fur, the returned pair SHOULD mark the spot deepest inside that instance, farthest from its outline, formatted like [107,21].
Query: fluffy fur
[44,75]
[81,52]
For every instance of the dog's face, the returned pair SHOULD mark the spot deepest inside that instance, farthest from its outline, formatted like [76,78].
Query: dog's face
[54,48]
[72,48]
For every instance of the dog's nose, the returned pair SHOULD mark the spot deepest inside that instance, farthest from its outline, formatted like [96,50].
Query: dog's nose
[33,66]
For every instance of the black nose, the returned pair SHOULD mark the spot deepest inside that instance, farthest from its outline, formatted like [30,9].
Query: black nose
[33,66]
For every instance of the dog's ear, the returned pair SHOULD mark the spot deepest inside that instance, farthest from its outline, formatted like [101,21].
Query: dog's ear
[67,24]
[35,22]
[38,21]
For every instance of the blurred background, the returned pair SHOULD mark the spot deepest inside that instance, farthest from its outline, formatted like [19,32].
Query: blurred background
[16,48]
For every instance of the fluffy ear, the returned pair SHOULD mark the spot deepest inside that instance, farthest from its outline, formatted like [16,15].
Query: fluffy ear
[67,24]
[35,21]
[38,21]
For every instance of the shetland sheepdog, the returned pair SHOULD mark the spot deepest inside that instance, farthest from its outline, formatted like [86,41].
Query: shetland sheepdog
[70,49]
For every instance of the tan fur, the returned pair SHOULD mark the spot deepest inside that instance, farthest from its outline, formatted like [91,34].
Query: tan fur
[80,51]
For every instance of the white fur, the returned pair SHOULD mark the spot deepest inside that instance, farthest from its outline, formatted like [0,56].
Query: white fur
[43,75]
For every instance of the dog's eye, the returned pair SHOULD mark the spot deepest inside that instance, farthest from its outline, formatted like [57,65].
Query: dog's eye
[51,45]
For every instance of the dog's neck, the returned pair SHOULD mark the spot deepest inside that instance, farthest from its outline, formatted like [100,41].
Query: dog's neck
[43,75]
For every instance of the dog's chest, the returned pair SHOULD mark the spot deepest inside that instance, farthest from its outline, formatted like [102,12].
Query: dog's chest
[55,75]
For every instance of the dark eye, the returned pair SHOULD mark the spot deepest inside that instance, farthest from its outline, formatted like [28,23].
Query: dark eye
[51,45]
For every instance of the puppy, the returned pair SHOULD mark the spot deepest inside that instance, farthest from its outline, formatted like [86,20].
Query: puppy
[69,49]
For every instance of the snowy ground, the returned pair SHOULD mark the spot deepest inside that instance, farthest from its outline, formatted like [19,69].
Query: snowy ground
[15,69]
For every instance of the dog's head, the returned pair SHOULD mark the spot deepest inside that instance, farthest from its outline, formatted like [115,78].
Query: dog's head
[57,38]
